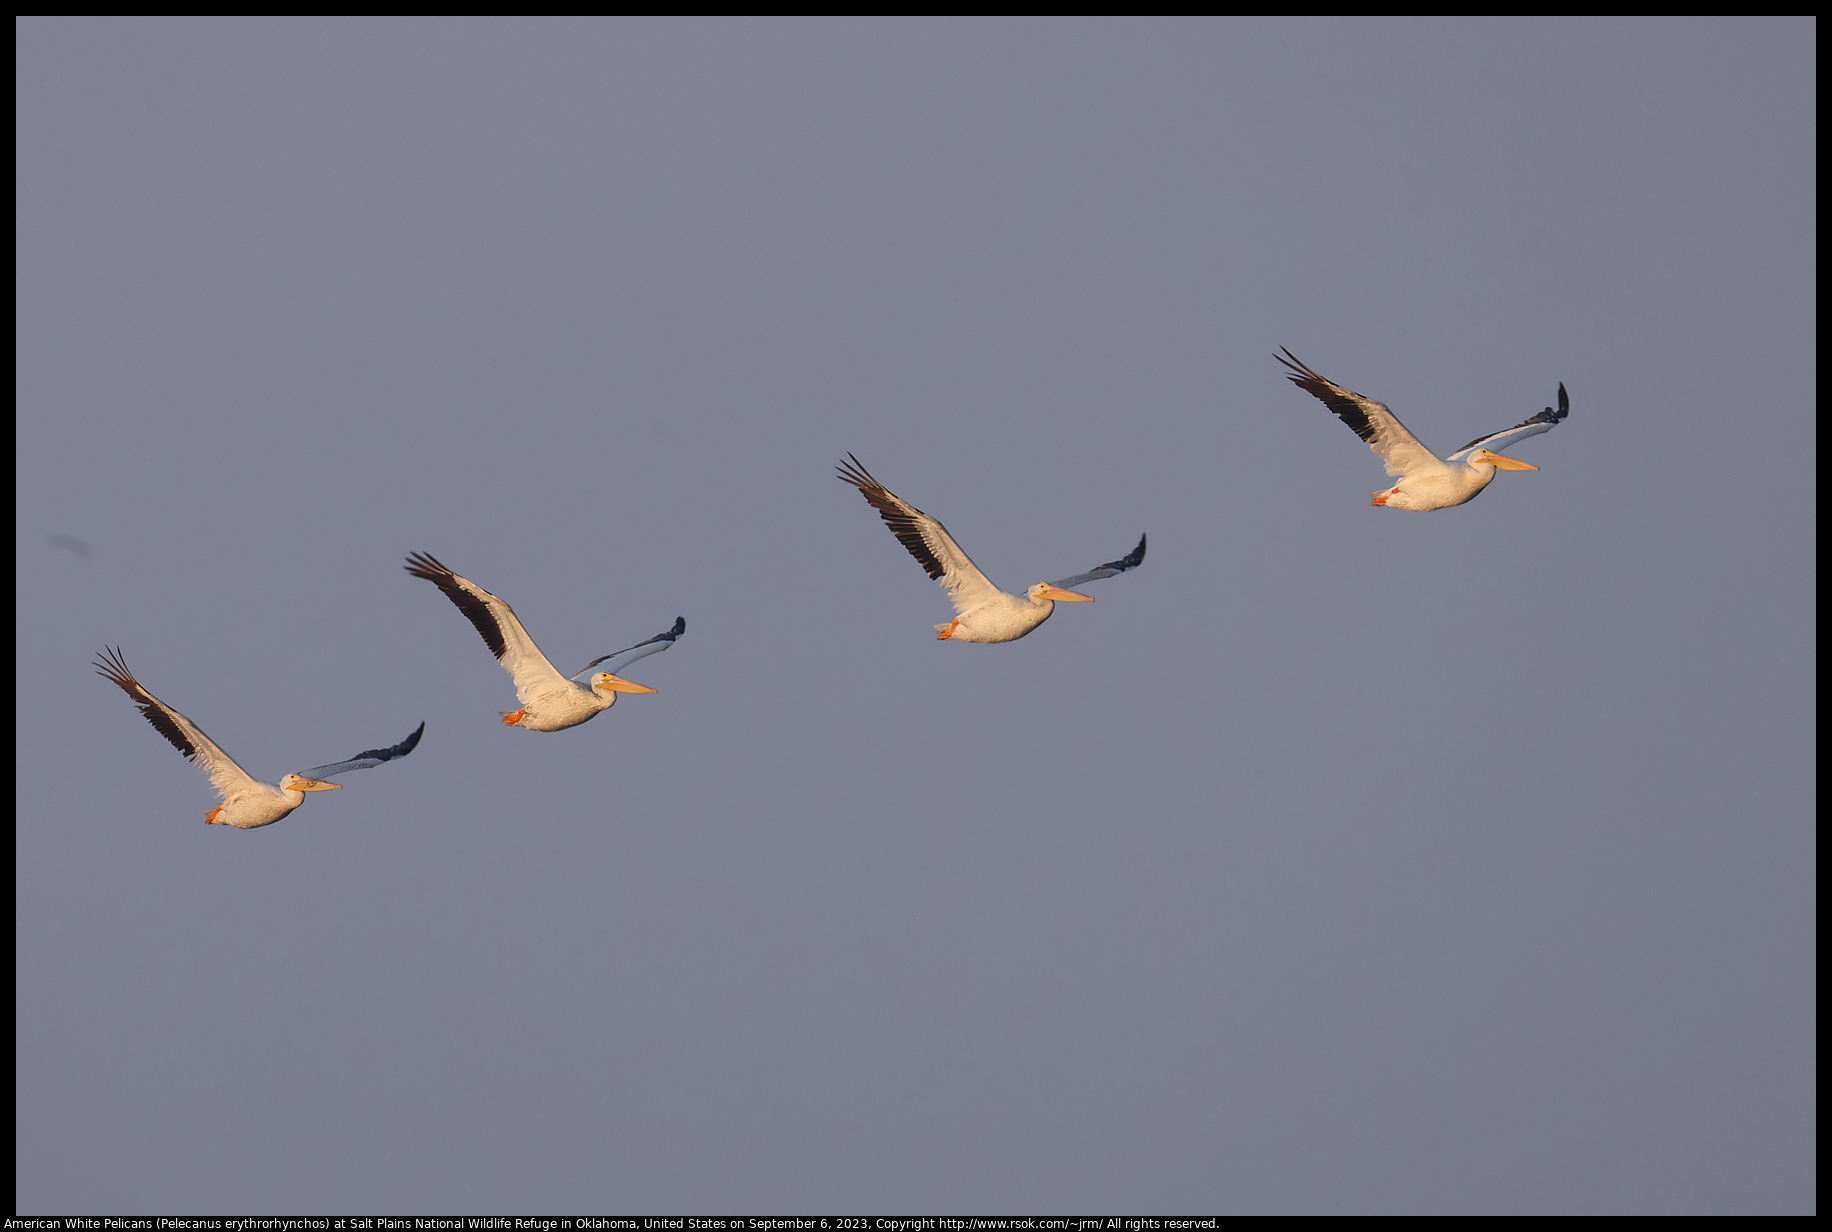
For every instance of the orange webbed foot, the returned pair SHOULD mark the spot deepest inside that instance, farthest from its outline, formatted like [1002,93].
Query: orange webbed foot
[514,717]
[944,634]
[210,817]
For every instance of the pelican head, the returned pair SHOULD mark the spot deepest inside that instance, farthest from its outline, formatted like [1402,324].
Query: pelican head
[294,782]
[1042,592]
[617,684]
[1494,459]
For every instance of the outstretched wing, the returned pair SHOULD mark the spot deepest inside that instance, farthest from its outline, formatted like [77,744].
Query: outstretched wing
[1545,421]
[368,759]
[1373,421]
[1132,560]
[185,735]
[927,540]
[615,663]
[496,621]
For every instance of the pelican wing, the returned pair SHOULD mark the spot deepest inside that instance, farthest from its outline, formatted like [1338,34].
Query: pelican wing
[185,735]
[1545,421]
[1373,421]
[1132,560]
[495,620]
[368,759]
[615,663]
[927,540]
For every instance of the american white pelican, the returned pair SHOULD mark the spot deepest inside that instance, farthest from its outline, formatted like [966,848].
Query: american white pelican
[550,702]
[1426,481]
[246,802]
[983,612]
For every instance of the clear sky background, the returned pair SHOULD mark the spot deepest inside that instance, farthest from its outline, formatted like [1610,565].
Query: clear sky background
[1337,861]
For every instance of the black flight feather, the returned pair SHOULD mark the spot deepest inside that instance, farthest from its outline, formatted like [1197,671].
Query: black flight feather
[475,610]
[895,512]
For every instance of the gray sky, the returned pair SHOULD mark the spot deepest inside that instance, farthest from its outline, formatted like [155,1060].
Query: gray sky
[1338,860]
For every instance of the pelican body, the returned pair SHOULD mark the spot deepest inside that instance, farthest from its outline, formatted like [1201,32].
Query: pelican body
[1426,481]
[982,612]
[247,803]
[550,702]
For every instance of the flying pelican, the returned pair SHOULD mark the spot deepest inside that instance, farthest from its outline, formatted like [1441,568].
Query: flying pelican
[982,612]
[246,802]
[1426,481]
[550,702]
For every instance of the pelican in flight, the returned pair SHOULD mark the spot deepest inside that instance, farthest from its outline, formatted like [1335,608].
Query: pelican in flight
[1425,481]
[246,803]
[550,702]
[982,612]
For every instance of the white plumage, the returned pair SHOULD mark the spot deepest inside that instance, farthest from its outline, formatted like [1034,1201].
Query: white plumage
[1426,481]
[983,612]
[550,701]
[246,802]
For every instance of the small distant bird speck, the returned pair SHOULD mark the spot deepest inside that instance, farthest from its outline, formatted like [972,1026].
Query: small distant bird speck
[70,543]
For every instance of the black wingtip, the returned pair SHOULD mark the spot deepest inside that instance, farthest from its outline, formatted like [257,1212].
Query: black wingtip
[902,524]
[1131,560]
[394,750]
[853,471]
[1297,365]
[113,667]
[477,611]
[680,627]
[405,747]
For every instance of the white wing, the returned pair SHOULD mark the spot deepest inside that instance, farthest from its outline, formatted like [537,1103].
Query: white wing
[1545,421]
[185,735]
[1373,421]
[534,676]
[367,759]
[927,540]
[615,663]
[1132,560]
